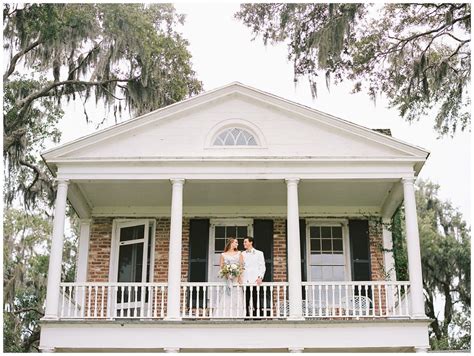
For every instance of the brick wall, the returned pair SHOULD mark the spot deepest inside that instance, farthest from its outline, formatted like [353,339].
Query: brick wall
[100,248]
[376,251]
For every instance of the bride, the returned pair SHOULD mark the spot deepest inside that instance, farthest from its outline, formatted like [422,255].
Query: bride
[231,297]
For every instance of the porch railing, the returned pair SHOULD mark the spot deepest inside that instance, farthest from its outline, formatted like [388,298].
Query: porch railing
[93,300]
[208,300]
[374,299]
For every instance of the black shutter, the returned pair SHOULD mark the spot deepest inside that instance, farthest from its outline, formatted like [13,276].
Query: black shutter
[360,253]
[263,241]
[304,274]
[304,269]
[198,250]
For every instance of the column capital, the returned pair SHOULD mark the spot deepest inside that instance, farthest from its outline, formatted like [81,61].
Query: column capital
[290,181]
[85,221]
[61,181]
[178,181]
[408,180]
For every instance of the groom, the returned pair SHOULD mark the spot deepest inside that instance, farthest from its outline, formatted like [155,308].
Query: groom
[254,271]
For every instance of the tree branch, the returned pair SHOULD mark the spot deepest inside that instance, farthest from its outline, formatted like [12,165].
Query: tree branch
[25,103]
[17,56]
[25,310]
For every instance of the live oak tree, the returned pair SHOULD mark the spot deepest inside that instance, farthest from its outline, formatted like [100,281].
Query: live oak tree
[26,246]
[445,254]
[418,55]
[123,56]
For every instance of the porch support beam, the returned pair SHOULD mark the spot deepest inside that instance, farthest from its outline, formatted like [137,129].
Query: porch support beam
[56,255]
[174,265]
[294,258]
[413,249]
[83,250]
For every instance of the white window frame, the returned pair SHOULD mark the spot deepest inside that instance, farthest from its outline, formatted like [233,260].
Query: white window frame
[117,224]
[248,126]
[212,236]
[344,224]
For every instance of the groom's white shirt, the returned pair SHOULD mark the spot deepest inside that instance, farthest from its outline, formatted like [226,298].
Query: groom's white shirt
[254,264]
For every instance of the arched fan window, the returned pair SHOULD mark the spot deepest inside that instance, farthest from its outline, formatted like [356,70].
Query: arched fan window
[235,137]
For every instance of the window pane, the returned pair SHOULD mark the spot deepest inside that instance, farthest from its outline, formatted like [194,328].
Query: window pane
[240,140]
[326,245]
[337,246]
[229,140]
[326,232]
[337,232]
[314,232]
[132,233]
[241,231]
[220,231]
[315,245]
[219,245]
[316,273]
[252,142]
[231,231]
[130,263]
[338,273]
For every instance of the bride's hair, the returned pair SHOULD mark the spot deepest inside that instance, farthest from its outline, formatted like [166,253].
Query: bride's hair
[229,242]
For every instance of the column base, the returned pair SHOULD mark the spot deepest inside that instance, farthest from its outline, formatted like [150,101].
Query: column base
[422,349]
[47,349]
[171,349]
[295,349]
[50,317]
[173,318]
[295,318]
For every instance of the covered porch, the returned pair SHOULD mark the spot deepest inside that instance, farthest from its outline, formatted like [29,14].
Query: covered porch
[172,293]
[298,285]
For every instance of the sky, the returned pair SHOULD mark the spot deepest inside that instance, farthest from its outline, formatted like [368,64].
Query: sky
[223,52]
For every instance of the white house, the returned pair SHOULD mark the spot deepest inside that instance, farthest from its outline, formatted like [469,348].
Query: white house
[158,196]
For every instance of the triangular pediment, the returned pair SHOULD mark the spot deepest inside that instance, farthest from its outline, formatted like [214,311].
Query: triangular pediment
[187,129]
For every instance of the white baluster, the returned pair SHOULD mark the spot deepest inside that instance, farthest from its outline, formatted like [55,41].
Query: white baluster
[333,287]
[271,301]
[407,308]
[95,301]
[102,302]
[191,290]
[284,301]
[162,311]
[306,312]
[400,312]
[204,301]
[339,302]
[313,301]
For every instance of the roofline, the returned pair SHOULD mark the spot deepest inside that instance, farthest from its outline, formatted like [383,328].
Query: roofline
[371,132]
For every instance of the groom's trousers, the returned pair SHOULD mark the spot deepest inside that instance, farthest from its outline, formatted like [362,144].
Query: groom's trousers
[254,301]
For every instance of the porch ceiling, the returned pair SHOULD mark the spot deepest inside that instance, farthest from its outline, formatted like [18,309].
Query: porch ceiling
[238,192]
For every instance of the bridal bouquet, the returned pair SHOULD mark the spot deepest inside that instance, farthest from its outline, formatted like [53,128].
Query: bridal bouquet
[230,271]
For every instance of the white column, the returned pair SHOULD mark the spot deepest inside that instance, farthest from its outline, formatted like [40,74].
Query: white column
[389,262]
[83,250]
[174,258]
[294,258]
[413,249]
[56,255]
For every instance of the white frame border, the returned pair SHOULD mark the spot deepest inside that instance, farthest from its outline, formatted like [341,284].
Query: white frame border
[344,224]
[212,229]
[238,123]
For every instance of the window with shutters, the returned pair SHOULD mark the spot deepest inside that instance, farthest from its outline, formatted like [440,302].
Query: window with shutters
[327,252]
[220,231]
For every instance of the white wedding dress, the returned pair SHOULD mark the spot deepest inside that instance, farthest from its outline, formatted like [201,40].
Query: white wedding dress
[231,300]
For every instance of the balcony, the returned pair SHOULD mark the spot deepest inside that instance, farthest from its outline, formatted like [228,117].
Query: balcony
[202,301]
